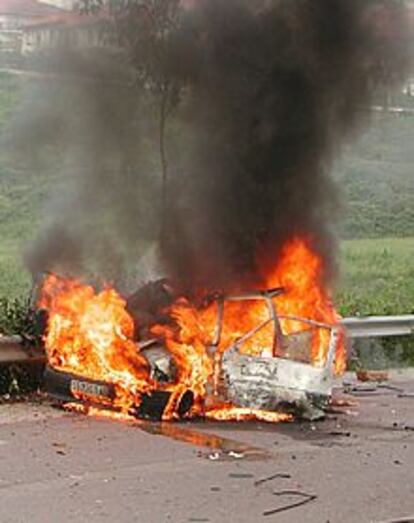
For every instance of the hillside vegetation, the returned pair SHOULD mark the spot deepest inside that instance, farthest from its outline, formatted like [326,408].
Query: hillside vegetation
[377,277]
[375,176]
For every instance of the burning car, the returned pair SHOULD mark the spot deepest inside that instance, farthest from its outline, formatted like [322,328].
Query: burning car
[282,377]
[234,356]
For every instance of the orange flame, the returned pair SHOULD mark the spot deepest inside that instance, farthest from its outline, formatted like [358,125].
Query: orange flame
[300,273]
[243,414]
[90,334]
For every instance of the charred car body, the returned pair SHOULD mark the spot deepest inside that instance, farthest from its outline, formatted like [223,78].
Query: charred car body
[281,378]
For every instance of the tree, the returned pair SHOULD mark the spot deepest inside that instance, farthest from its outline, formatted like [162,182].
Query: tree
[147,31]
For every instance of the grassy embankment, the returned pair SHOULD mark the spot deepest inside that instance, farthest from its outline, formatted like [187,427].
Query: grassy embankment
[22,190]
[377,277]
[375,175]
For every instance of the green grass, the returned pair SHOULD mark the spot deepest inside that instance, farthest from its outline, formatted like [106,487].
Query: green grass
[14,279]
[21,200]
[17,197]
[377,277]
[9,95]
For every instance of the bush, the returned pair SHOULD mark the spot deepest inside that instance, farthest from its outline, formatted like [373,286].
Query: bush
[17,316]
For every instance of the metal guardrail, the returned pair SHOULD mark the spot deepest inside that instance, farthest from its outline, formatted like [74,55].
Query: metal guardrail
[12,348]
[379,326]
[393,110]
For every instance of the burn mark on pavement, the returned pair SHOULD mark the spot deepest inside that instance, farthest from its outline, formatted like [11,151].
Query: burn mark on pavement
[227,449]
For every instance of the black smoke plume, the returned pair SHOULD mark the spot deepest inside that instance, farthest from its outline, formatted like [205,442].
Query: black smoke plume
[277,87]
[268,92]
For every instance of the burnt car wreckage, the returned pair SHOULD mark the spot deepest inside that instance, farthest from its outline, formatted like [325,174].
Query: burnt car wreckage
[286,379]
[283,380]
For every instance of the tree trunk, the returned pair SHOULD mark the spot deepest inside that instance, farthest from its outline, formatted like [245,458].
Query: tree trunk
[164,165]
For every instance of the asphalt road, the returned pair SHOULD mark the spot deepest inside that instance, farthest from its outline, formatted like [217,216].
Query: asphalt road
[63,467]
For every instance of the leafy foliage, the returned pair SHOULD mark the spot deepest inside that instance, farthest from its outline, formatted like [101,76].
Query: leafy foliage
[376,178]
[17,317]
[19,379]
[384,353]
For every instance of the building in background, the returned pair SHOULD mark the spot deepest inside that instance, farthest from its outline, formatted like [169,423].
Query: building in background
[14,16]
[67,30]
[69,5]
